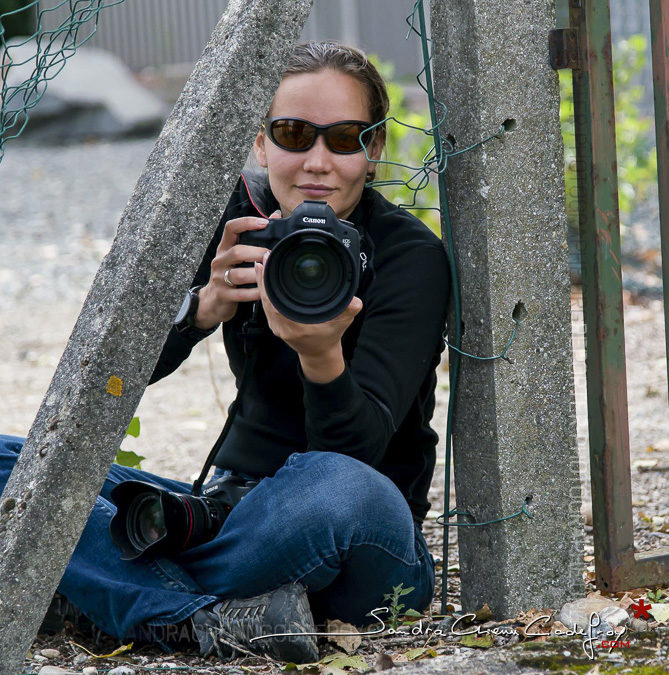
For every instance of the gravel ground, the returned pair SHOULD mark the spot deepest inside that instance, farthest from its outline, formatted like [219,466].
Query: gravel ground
[59,207]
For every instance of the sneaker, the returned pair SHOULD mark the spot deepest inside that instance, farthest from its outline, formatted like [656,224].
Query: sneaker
[224,626]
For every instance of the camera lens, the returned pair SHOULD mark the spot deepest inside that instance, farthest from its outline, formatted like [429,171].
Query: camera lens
[309,273]
[310,270]
[151,520]
[310,276]
[146,520]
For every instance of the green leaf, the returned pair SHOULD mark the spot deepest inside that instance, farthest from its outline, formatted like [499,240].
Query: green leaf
[133,428]
[341,660]
[129,458]
[302,668]
[660,612]
[406,591]
[483,642]
[416,653]
[413,612]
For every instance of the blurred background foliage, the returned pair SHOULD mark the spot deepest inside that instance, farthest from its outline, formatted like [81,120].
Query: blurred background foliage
[635,147]
[637,158]
[406,146]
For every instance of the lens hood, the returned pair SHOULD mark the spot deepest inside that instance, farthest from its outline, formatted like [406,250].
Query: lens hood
[311,276]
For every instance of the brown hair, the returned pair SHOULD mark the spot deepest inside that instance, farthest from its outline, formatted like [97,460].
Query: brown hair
[310,57]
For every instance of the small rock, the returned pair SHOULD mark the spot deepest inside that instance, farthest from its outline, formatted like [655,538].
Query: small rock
[52,670]
[639,625]
[80,658]
[579,611]
[614,616]
[39,658]
[603,629]
[50,653]
[383,662]
[122,670]
[90,670]
[445,624]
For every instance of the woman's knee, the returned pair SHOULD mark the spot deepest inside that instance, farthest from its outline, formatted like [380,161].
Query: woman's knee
[10,447]
[11,444]
[350,492]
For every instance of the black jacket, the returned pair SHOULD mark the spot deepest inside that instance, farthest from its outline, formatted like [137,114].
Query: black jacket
[379,409]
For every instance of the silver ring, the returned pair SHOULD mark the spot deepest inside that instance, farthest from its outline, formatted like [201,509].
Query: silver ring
[226,278]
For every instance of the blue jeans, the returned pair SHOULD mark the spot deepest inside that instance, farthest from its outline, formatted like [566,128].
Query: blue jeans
[331,522]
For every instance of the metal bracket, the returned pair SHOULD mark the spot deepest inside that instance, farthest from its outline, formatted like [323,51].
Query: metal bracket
[563,48]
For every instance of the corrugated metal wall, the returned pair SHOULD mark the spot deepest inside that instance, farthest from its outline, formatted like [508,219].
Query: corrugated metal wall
[161,32]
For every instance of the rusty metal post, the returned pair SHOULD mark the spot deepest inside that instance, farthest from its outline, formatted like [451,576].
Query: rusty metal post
[659,39]
[615,562]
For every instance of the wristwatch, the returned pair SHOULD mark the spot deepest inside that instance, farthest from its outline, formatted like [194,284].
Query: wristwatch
[184,321]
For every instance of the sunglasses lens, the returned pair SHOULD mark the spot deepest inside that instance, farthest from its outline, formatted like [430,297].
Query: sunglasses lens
[296,135]
[345,137]
[293,134]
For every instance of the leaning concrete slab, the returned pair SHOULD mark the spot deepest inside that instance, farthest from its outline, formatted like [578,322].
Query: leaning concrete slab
[116,341]
[515,428]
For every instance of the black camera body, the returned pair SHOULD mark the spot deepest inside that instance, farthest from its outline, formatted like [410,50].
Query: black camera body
[313,270]
[151,520]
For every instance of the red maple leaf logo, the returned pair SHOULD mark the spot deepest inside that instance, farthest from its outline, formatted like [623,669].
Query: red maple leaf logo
[640,609]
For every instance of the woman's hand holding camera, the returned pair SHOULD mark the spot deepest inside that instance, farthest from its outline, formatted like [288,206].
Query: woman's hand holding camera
[318,345]
[219,298]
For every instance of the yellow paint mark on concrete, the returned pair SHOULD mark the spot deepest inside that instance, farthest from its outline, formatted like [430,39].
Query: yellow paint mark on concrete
[115,386]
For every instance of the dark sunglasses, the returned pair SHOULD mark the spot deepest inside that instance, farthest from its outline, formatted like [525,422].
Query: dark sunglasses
[297,135]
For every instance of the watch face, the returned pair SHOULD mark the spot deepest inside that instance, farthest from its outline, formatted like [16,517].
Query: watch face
[183,310]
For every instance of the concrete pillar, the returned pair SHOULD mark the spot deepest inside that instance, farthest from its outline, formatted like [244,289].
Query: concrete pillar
[515,428]
[116,341]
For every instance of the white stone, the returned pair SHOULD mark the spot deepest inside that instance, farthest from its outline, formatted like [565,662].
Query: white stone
[94,94]
[122,670]
[579,611]
[615,616]
[50,653]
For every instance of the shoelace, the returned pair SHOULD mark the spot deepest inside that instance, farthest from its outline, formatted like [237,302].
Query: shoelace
[241,624]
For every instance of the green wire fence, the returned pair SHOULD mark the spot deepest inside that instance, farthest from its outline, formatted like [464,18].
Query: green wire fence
[55,41]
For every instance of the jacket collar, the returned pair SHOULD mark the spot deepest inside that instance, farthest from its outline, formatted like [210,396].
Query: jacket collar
[259,192]
[260,195]
[256,186]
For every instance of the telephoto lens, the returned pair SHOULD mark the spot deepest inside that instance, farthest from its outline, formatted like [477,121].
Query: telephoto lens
[151,520]
[313,270]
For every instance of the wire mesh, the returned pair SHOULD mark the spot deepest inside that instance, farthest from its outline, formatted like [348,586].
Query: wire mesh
[55,42]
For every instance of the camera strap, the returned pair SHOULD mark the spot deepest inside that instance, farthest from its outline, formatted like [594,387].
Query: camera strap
[252,329]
